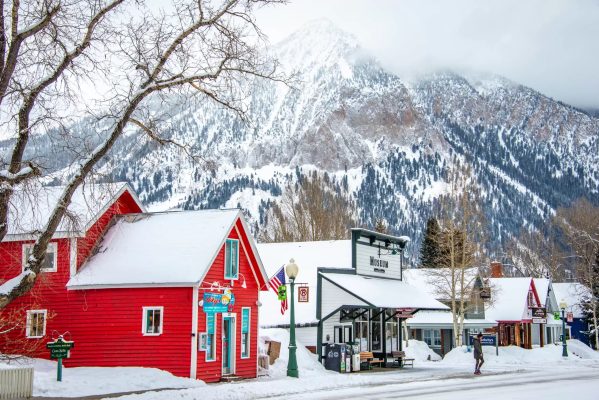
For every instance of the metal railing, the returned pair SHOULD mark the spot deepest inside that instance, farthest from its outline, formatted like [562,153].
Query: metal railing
[16,383]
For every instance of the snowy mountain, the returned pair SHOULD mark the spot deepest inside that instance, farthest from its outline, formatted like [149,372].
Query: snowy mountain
[386,139]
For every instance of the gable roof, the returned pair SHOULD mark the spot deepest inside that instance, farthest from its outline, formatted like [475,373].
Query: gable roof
[574,294]
[173,248]
[433,280]
[30,208]
[510,299]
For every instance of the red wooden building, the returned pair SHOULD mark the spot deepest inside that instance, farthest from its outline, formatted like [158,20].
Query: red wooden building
[176,291]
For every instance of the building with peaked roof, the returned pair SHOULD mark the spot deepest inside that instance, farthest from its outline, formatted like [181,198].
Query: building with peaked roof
[175,290]
[574,295]
[435,328]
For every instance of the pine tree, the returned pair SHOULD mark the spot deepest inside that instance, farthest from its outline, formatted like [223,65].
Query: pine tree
[430,252]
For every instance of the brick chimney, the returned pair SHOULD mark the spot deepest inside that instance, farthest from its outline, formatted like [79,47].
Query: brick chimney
[496,269]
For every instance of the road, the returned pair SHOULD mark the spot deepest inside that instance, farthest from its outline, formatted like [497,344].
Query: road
[560,384]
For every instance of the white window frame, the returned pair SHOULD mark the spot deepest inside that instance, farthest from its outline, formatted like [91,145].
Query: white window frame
[28,323]
[213,343]
[144,323]
[52,247]
[249,347]
[236,275]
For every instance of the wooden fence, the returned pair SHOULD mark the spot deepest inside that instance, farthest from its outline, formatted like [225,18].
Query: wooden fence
[16,383]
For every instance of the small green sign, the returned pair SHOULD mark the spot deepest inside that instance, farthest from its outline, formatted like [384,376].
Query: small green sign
[59,349]
[282,292]
[556,316]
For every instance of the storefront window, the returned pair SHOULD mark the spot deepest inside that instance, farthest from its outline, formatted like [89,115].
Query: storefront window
[361,332]
[432,337]
[392,335]
[210,337]
[376,332]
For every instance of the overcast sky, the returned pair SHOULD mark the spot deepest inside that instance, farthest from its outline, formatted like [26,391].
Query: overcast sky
[551,46]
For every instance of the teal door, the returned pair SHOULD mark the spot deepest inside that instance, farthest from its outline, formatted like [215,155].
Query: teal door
[228,345]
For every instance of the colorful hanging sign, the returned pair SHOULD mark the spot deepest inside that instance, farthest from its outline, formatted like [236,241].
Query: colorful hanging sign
[218,302]
[303,294]
[282,292]
[569,317]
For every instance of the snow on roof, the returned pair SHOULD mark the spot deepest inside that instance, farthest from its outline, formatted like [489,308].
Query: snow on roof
[309,256]
[169,248]
[31,207]
[385,293]
[509,299]
[430,280]
[574,294]
[444,318]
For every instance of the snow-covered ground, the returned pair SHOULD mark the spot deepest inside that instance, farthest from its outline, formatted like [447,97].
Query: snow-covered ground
[527,371]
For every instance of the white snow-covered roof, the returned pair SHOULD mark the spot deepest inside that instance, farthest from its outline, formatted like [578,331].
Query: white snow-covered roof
[574,294]
[432,280]
[423,319]
[169,248]
[509,299]
[385,293]
[31,206]
[309,256]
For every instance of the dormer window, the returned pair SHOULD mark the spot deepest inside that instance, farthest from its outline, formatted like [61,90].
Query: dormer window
[49,264]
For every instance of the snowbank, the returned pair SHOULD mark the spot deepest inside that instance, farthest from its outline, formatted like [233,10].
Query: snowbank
[87,381]
[307,362]
[513,355]
[420,351]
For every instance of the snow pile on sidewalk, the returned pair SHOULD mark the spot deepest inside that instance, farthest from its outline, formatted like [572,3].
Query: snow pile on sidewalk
[514,355]
[307,362]
[87,381]
[420,351]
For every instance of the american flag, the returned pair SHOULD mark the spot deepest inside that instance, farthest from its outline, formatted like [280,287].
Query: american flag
[277,280]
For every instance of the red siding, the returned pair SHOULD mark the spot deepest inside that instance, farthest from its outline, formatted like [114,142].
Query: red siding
[49,291]
[247,368]
[106,325]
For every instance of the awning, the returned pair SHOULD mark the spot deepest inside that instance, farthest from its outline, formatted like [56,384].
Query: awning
[384,293]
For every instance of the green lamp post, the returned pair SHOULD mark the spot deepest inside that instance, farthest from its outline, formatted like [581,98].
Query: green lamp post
[563,306]
[292,270]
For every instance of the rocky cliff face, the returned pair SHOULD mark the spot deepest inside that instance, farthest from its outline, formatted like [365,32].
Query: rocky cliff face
[388,140]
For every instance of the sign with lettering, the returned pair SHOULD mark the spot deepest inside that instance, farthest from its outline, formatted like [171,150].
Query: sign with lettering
[245,320]
[376,259]
[486,340]
[303,294]
[218,302]
[539,320]
[539,312]
[59,348]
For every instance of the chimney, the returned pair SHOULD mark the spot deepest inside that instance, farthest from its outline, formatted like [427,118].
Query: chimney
[496,269]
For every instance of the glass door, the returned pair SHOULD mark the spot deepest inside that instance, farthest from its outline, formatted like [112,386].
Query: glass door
[228,345]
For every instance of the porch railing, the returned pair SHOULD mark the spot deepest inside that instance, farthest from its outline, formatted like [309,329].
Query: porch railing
[16,383]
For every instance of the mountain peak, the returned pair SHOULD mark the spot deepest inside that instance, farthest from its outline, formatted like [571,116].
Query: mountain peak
[316,41]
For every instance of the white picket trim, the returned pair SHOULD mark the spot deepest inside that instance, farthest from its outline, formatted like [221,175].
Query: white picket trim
[16,383]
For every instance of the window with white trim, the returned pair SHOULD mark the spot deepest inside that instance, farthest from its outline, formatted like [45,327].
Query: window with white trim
[50,260]
[152,321]
[210,337]
[432,337]
[36,323]
[231,259]
[245,332]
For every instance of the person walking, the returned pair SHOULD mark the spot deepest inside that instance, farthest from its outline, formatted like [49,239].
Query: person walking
[478,353]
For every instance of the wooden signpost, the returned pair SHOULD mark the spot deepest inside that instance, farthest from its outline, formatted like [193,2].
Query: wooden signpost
[59,349]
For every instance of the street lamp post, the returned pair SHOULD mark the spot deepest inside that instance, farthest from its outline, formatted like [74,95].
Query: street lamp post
[292,270]
[563,306]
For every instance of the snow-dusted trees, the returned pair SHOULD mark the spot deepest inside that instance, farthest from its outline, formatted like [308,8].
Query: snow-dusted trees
[114,62]
[430,251]
[313,208]
[580,223]
[460,240]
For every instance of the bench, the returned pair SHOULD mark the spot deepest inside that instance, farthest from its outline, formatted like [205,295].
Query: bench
[368,358]
[402,361]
